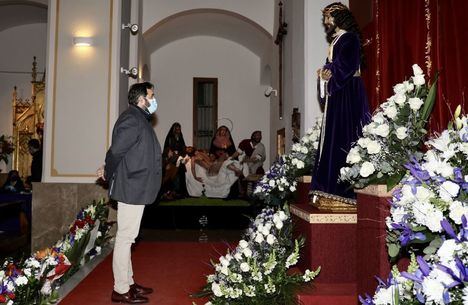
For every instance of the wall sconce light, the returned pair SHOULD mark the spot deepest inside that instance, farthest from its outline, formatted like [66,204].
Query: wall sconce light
[133,72]
[82,41]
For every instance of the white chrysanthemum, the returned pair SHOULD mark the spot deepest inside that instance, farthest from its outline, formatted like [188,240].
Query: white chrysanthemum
[447,251]
[448,190]
[271,239]
[398,214]
[363,142]
[424,194]
[433,289]
[433,220]
[259,238]
[384,296]
[292,188]
[457,210]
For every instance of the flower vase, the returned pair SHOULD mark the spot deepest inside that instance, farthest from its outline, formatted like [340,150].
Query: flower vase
[373,206]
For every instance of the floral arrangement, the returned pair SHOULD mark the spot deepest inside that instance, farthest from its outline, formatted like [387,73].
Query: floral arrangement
[256,271]
[281,180]
[436,189]
[395,133]
[6,148]
[36,279]
[429,220]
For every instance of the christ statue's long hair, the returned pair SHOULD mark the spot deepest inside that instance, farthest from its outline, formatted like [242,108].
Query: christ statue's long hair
[344,19]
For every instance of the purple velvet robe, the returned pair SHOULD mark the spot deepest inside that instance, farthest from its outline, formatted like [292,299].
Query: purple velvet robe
[346,112]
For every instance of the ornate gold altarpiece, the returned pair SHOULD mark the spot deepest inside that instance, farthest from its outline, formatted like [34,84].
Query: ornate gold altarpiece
[28,122]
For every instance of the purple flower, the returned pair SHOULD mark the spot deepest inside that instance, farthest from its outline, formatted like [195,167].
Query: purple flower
[416,171]
[406,234]
[367,300]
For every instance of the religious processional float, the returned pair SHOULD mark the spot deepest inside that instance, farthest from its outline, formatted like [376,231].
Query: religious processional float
[36,279]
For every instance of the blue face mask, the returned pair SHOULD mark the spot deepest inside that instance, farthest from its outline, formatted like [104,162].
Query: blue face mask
[153,105]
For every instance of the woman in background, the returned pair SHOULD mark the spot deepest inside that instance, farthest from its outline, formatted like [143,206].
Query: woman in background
[173,184]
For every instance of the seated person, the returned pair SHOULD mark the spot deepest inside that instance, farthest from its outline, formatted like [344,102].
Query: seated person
[222,144]
[209,176]
[252,152]
[13,184]
[173,183]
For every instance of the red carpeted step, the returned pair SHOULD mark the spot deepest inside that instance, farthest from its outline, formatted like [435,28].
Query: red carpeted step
[329,294]
[174,270]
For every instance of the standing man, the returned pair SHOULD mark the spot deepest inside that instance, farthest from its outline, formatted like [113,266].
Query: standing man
[344,98]
[133,169]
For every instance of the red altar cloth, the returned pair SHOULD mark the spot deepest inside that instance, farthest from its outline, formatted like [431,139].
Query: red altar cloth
[372,208]
[330,242]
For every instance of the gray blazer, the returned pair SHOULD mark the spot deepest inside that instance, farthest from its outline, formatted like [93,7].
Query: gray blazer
[133,162]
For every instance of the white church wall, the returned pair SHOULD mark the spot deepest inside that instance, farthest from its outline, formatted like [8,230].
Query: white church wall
[260,11]
[304,51]
[19,45]
[81,84]
[316,50]
[240,93]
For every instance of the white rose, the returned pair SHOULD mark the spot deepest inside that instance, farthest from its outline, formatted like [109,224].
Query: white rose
[409,86]
[419,80]
[300,164]
[279,225]
[259,238]
[353,156]
[244,267]
[382,130]
[399,89]
[367,169]
[272,183]
[243,244]
[373,147]
[417,70]
[415,103]
[247,252]
[391,112]
[400,99]
[216,288]
[292,188]
[401,132]
[271,239]
[363,142]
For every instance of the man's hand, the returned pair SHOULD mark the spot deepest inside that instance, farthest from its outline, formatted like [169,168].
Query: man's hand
[100,173]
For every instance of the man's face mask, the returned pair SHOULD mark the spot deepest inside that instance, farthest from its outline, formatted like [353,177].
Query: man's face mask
[153,105]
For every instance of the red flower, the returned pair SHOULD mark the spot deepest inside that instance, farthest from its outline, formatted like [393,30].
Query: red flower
[11,295]
[2,298]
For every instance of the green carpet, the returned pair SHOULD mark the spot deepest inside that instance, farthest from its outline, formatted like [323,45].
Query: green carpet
[205,202]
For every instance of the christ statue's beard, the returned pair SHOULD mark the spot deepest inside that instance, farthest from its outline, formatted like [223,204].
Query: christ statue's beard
[330,29]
